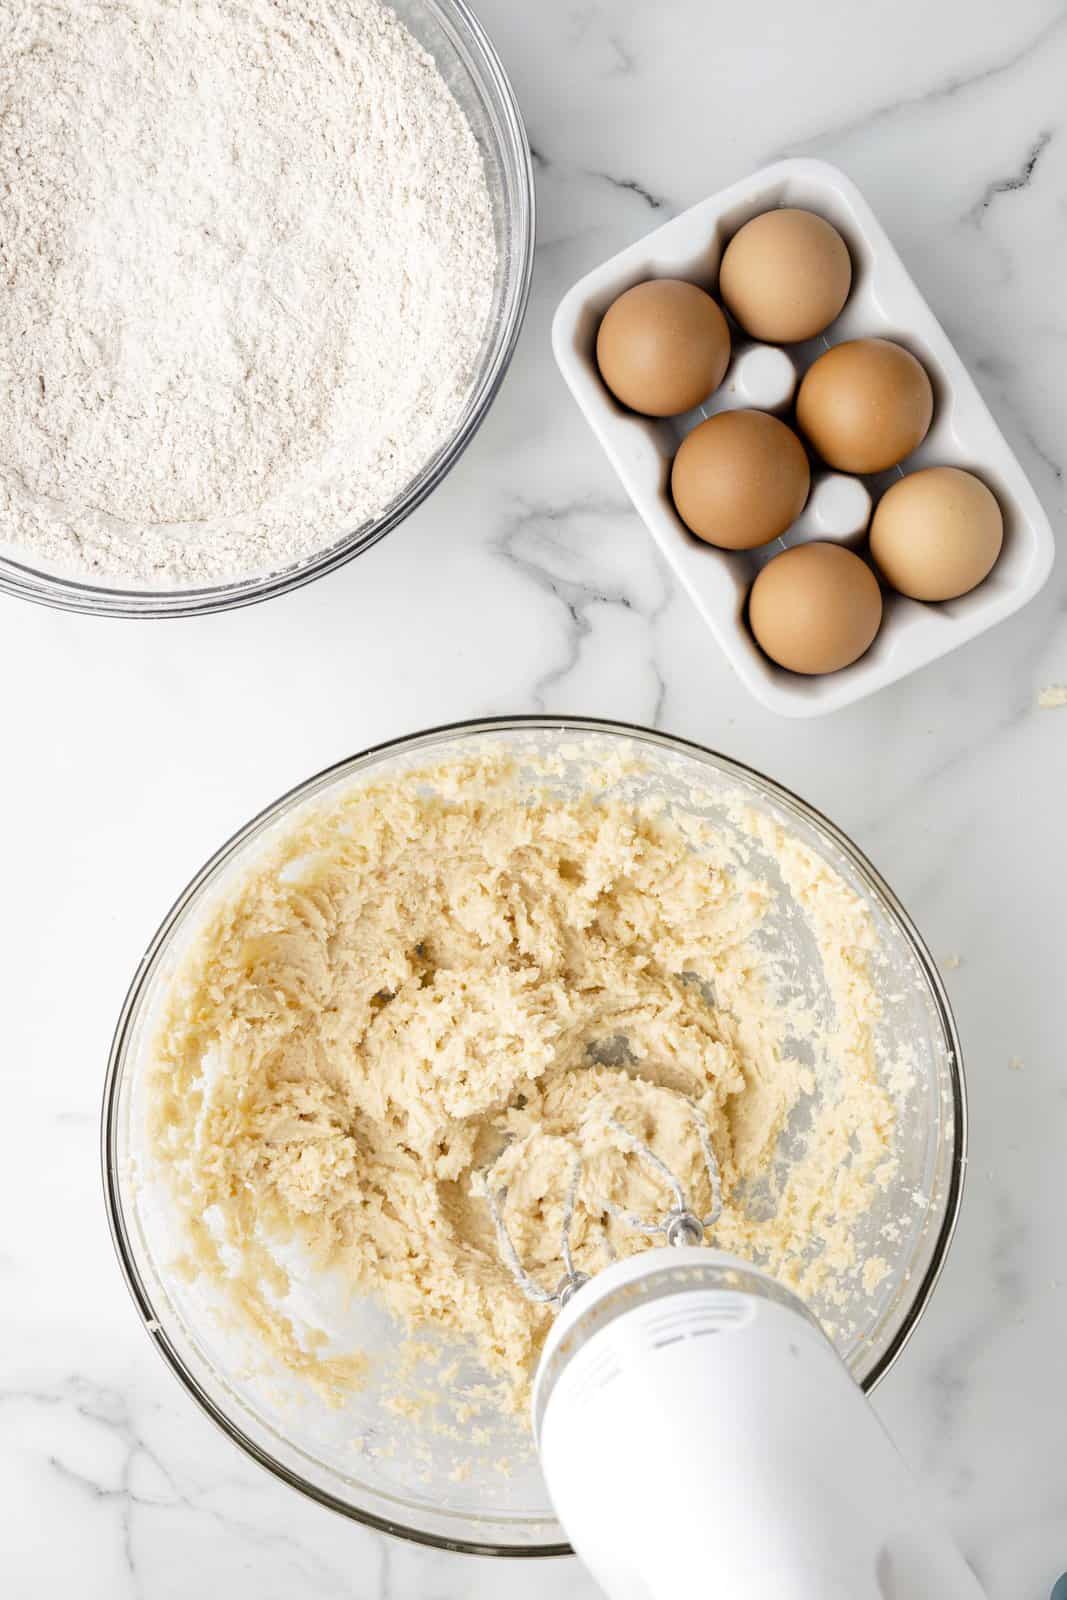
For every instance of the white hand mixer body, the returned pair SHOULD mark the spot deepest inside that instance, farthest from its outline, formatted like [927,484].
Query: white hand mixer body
[699,1435]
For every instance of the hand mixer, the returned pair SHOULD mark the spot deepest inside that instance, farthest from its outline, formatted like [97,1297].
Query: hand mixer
[698,1433]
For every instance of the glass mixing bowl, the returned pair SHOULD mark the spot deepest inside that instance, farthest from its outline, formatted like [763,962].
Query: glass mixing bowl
[472,1483]
[473,71]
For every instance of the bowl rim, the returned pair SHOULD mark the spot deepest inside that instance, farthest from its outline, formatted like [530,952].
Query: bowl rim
[426,739]
[22,581]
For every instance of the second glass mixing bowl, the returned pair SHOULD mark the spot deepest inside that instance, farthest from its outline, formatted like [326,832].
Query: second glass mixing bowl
[473,1484]
[470,66]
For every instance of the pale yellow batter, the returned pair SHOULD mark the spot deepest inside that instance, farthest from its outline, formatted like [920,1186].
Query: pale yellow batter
[423,976]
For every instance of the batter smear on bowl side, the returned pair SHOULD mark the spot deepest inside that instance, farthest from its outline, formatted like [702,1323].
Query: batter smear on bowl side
[444,969]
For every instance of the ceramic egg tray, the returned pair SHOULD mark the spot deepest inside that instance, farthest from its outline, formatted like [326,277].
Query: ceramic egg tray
[884,302]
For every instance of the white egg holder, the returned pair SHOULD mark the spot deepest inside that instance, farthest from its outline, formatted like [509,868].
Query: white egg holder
[884,302]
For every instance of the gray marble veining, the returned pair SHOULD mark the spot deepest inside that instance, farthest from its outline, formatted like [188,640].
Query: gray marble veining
[527,583]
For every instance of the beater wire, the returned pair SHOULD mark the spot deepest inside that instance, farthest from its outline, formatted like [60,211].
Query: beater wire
[680,1226]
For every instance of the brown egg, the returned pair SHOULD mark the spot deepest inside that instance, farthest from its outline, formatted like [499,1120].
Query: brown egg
[785,275]
[865,405]
[663,346]
[815,608]
[936,534]
[740,479]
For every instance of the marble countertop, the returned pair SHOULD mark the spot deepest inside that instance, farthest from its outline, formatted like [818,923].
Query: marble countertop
[528,583]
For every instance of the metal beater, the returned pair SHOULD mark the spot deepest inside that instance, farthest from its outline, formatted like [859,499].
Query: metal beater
[680,1226]
[697,1431]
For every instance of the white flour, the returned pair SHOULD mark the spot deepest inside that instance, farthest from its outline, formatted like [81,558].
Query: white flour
[246,262]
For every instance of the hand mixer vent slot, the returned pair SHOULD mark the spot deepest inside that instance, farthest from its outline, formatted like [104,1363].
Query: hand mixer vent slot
[721,1315]
[596,1373]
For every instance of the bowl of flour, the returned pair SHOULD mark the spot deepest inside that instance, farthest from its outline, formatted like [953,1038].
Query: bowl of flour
[265,267]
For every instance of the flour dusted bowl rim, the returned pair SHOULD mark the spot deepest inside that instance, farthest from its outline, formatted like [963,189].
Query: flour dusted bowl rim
[470,1529]
[476,75]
